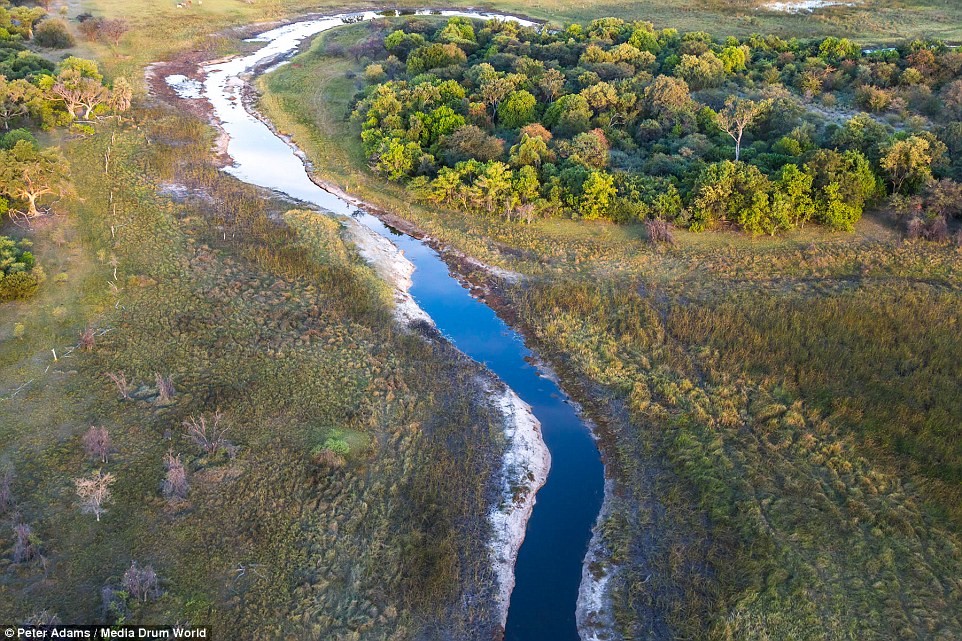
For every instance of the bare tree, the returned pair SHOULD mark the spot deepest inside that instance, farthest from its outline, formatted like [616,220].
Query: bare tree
[94,492]
[87,340]
[174,485]
[42,619]
[26,547]
[6,490]
[113,29]
[141,582]
[120,380]
[97,443]
[207,434]
[737,116]
[659,231]
[165,387]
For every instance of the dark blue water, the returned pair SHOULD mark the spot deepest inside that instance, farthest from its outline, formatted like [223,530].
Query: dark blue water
[548,571]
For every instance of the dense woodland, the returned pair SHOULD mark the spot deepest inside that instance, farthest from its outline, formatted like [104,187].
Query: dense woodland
[617,120]
[38,95]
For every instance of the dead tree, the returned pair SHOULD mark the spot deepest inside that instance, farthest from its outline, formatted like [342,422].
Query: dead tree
[97,443]
[141,582]
[6,490]
[207,434]
[120,380]
[94,492]
[87,341]
[174,486]
[26,547]
[165,388]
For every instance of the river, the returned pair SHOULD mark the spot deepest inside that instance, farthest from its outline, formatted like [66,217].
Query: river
[548,571]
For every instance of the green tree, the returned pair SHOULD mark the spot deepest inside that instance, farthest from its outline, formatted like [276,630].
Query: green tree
[598,191]
[590,149]
[568,115]
[517,110]
[396,159]
[843,183]
[908,163]
[28,174]
[18,99]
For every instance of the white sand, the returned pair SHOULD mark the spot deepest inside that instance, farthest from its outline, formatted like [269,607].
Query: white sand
[805,6]
[594,613]
[525,467]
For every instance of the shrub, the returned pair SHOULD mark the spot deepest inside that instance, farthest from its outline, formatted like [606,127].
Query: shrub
[53,33]
[12,137]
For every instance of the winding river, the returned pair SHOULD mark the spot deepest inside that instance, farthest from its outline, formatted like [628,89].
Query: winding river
[548,571]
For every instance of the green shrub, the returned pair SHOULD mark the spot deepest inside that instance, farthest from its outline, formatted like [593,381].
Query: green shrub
[20,276]
[53,33]
[12,137]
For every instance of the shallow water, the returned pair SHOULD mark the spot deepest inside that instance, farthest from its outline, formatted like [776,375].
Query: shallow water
[548,569]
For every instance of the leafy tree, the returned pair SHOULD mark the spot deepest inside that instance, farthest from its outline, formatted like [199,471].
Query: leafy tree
[396,159]
[471,143]
[737,116]
[551,83]
[666,96]
[598,191]
[568,115]
[18,100]
[530,151]
[843,183]
[517,110]
[28,174]
[908,163]
[434,56]
[702,71]
[590,149]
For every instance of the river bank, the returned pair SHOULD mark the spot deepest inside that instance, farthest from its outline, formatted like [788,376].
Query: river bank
[526,462]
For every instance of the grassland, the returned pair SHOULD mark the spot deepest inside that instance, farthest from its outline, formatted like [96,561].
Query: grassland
[779,413]
[274,320]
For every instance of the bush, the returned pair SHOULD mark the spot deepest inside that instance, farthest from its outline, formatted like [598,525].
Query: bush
[53,33]
[20,276]
[14,136]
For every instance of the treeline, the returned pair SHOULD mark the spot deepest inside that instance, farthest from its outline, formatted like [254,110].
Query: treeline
[36,94]
[618,120]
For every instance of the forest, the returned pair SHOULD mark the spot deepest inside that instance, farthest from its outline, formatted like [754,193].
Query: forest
[617,120]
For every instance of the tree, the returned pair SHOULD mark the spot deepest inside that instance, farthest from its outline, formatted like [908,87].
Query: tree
[396,158]
[18,99]
[28,174]
[701,71]
[517,110]
[843,183]
[598,191]
[666,96]
[737,116]
[551,83]
[78,92]
[141,582]
[568,115]
[208,434]
[94,492]
[97,443]
[590,149]
[470,142]
[530,151]
[113,29]
[174,485]
[494,185]
[908,162]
